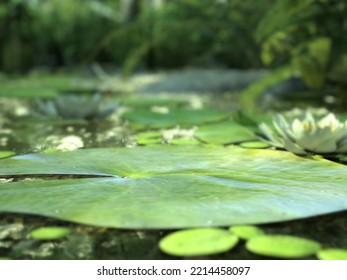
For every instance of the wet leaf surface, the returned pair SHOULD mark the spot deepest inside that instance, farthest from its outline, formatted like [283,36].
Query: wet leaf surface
[173,187]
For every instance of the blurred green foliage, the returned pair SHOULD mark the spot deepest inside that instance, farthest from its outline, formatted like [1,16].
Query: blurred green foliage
[308,35]
[51,33]
[55,33]
[203,32]
[311,34]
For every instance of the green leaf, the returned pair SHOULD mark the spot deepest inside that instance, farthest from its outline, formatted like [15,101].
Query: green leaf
[332,254]
[142,118]
[250,95]
[49,233]
[255,145]
[246,232]
[184,141]
[5,154]
[310,69]
[339,69]
[224,133]
[44,86]
[198,242]
[173,186]
[285,14]
[149,138]
[149,101]
[282,246]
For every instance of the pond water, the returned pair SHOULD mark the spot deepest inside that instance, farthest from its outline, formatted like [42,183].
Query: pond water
[24,129]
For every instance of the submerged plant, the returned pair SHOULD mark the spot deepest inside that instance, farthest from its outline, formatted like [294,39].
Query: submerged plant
[308,135]
[74,106]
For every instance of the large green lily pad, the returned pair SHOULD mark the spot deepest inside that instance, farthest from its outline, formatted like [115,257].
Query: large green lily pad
[44,86]
[174,187]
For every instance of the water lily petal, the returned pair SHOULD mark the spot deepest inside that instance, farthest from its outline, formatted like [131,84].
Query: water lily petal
[62,108]
[282,127]
[328,146]
[297,128]
[322,140]
[272,138]
[309,139]
[329,120]
[339,135]
[328,135]
[50,109]
[310,119]
[292,147]
[308,116]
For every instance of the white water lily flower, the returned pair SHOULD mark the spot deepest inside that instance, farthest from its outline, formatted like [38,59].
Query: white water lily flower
[328,135]
[73,106]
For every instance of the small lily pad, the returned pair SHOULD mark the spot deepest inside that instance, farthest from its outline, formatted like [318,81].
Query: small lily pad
[185,141]
[44,86]
[5,154]
[149,101]
[224,133]
[246,232]
[332,254]
[49,233]
[149,137]
[198,242]
[255,145]
[143,118]
[282,246]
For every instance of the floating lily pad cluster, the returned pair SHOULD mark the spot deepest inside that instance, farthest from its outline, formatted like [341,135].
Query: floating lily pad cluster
[209,241]
[202,180]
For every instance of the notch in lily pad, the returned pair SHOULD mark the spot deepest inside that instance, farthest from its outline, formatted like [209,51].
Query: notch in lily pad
[282,246]
[50,233]
[198,242]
